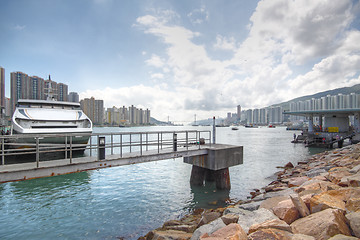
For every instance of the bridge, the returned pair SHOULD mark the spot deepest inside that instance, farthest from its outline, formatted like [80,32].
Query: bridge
[26,157]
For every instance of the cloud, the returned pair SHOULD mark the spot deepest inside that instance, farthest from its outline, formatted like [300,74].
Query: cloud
[293,48]
[198,16]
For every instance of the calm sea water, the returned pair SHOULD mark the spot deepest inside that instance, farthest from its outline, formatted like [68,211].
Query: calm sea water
[129,201]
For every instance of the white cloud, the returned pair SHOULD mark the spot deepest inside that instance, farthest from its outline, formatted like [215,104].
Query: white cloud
[294,48]
[198,16]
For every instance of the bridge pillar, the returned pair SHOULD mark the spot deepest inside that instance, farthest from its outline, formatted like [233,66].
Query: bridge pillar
[214,166]
[200,175]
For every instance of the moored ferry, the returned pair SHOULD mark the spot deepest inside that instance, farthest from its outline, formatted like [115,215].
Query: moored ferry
[33,117]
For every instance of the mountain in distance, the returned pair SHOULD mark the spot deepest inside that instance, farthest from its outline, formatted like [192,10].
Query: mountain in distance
[345,90]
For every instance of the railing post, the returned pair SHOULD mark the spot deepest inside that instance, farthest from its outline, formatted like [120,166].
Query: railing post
[112,150]
[199,139]
[90,145]
[158,140]
[2,151]
[214,130]
[174,142]
[130,142]
[37,153]
[187,140]
[65,147]
[161,141]
[121,147]
[147,143]
[140,144]
[71,149]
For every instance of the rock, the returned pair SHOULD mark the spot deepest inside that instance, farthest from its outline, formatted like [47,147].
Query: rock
[208,228]
[322,225]
[172,223]
[342,237]
[231,231]
[286,211]
[272,202]
[336,174]
[270,233]
[333,198]
[355,169]
[170,234]
[264,196]
[251,206]
[315,172]
[353,204]
[323,201]
[354,222]
[289,165]
[247,218]
[300,205]
[183,228]
[274,223]
[316,186]
[230,218]
[295,182]
[208,217]
[354,180]
[302,237]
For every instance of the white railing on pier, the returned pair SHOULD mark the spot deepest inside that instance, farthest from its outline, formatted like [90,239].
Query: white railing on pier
[29,148]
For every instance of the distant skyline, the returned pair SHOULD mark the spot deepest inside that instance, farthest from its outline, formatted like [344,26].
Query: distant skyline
[180,58]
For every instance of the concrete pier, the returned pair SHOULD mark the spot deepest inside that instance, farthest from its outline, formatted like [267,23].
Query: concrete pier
[214,166]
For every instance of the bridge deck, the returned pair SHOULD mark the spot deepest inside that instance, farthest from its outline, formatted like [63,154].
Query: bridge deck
[30,170]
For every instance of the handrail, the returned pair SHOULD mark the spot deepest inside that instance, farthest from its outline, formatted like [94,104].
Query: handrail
[116,143]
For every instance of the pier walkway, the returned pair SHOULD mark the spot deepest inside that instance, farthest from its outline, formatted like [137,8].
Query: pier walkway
[38,158]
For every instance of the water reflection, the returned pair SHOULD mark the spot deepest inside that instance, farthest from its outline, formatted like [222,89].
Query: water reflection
[208,197]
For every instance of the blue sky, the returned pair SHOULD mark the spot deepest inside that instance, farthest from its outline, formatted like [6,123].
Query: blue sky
[180,58]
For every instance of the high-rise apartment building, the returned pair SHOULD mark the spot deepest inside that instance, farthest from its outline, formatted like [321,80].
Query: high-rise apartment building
[19,88]
[238,108]
[73,97]
[2,87]
[24,87]
[94,109]
[131,115]
[62,92]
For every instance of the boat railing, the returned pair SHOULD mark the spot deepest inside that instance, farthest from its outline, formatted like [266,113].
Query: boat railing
[23,148]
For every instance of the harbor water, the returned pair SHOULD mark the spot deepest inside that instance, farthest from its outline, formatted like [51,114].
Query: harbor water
[129,201]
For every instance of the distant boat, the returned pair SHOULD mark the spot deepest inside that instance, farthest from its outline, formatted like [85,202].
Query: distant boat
[272,126]
[234,128]
[251,126]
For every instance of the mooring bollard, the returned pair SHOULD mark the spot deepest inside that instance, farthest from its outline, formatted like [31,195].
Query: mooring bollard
[175,142]
[101,148]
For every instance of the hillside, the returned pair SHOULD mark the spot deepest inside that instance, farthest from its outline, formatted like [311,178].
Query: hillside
[344,90]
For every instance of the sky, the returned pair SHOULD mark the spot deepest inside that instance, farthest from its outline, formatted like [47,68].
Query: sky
[181,58]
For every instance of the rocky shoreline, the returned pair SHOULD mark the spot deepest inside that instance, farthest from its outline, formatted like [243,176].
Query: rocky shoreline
[317,199]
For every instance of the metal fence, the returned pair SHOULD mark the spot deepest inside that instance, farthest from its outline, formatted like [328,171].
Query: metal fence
[30,148]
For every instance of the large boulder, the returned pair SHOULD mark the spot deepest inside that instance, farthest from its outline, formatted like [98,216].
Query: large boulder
[300,205]
[353,219]
[297,181]
[208,228]
[170,234]
[274,223]
[230,218]
[232,231]
[299,236]
[322,225]
[272,202]
[353,205]
[343,237]
[248,218]
[208,217]
[270,233]
[285,210]
[337,173]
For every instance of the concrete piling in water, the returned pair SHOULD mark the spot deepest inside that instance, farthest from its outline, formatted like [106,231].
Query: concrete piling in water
[214,166]
[200,175]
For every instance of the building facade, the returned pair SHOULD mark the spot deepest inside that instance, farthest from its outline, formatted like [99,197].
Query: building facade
[130,115]
[23,86]
[94,109]
[73,97]
[2,87]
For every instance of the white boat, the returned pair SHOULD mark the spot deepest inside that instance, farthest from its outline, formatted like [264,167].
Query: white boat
[51,117]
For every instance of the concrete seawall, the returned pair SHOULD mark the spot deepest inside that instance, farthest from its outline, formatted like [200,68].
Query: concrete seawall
[317,199]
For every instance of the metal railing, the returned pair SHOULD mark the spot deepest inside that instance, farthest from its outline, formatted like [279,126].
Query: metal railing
[37,148]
